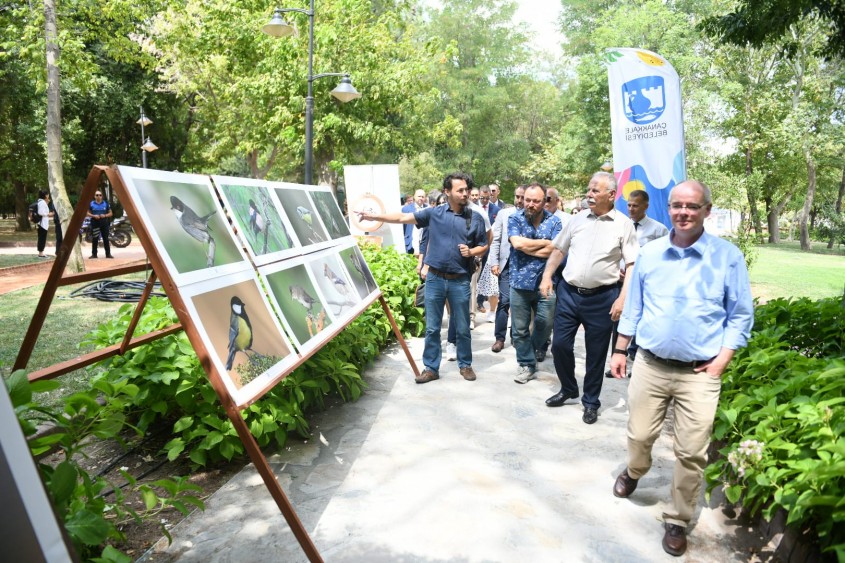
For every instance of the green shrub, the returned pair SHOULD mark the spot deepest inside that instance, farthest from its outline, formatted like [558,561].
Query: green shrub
[173,386]
[782,419]
[80,499]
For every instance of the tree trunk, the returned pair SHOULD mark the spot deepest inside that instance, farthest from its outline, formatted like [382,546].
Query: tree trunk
[752,199]
[55,175]
[808,202]
[21,207]
[838,206]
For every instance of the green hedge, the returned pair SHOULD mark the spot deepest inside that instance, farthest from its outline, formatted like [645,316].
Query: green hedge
[782,419]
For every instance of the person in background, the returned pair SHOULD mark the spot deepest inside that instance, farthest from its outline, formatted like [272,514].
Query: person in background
[45,215]
[57,223]
[594,244]
[689,303]
[100,213]
[500,252]
[473,196]
[411,232]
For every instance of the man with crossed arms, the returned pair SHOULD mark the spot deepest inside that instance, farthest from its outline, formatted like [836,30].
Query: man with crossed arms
[689,303]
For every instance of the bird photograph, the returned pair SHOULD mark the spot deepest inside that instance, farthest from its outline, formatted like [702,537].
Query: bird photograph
[330,213]
[195,225]
[256,217]
[299,209]
[299,299]
[363,270]
[337,288]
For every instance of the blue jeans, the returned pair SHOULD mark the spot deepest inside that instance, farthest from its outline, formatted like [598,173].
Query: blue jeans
[504,306]
[524,302]
[438,290]
[592,311]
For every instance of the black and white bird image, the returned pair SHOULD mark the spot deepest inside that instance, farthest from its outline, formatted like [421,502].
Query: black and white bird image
[299,294]
[194,225]
[256,220]
[258,224]
[240,331]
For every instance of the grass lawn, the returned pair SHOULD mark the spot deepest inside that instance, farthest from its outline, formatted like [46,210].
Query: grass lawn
[783,270]
[68,321]
[9,260]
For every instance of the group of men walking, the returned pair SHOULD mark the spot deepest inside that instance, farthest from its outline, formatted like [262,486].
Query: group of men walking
[685,295]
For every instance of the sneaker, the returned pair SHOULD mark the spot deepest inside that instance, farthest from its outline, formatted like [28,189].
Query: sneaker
[491,317]
[472,324]
[525,374]
[451,352]
[468,373]
[42,256]
[540,356]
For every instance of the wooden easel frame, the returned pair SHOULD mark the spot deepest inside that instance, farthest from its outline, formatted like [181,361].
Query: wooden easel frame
[57,278]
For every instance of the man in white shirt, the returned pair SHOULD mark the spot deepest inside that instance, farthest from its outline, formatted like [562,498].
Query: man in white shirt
[647,228]
[552,206]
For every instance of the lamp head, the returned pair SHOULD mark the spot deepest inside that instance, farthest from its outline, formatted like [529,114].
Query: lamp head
[345,91]
[277,26]
[149,146]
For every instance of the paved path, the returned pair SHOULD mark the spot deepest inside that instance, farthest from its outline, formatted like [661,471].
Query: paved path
[456,471]
[19,277]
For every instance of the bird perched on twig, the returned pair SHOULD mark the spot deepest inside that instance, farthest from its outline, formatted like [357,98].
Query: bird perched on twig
[362,268]
[194,225]
[258,224]
[299,294]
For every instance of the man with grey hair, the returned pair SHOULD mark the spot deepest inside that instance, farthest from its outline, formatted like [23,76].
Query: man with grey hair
[689,303]
[594,244]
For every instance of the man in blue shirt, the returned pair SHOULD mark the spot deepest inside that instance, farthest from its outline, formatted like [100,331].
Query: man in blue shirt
[456,235]
[530,233]
[412,235]
[689,303]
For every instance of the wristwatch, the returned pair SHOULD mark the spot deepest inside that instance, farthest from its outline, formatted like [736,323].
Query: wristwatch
[620,351]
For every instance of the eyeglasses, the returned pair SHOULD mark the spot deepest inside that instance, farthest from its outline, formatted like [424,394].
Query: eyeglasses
[98,195]
[549,198]
[687,206]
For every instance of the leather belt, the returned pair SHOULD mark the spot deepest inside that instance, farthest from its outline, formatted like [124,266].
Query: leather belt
[445,275]
[590,290]
[672,363]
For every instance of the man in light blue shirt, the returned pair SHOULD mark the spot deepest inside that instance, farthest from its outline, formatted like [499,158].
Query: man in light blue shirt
[689,303]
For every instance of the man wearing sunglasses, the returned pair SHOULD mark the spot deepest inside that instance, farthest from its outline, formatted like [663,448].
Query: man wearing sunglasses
[100,213]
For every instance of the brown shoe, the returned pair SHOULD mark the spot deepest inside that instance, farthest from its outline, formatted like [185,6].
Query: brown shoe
[468,373]
[624,485]
[426,376]
[498,346]
[675,539]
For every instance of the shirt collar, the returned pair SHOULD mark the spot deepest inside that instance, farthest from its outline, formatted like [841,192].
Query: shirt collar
[699,247]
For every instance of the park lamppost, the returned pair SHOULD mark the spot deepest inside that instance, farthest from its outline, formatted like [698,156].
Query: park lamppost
[345,92]
[148,145]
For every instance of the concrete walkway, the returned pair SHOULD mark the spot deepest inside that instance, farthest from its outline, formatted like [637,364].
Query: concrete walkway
[456,471]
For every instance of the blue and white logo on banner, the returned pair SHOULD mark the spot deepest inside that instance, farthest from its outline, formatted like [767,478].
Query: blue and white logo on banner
[644,99]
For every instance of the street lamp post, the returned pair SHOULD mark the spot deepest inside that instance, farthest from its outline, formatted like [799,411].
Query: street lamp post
[345,92]
[147,144]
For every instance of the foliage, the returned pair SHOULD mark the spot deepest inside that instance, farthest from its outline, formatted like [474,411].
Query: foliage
[757,22]
[80,499]
[782,419]
[171,384]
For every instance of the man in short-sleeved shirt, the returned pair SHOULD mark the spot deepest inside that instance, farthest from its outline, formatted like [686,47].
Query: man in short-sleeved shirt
[530,232]
[456,235]
[593,243]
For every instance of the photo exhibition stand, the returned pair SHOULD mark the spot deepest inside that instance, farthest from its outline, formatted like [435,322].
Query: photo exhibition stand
[186,290]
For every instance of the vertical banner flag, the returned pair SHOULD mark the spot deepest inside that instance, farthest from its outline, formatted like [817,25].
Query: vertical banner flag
[646,119]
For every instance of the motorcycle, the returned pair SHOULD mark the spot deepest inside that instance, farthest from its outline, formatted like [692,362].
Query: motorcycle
[120,232]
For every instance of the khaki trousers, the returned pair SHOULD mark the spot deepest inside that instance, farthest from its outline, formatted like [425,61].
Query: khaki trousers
[696,396]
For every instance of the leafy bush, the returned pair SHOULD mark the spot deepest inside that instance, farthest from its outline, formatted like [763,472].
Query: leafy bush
[80,500]
[172,385]
[782,419]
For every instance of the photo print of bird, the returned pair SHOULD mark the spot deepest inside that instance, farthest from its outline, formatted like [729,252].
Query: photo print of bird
[341,288]
[362,268]
[313,322]
[195,225]
[330,213]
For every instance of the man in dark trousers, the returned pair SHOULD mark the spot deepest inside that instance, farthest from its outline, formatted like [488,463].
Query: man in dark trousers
[594,244]
[456,236]
[689,303]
